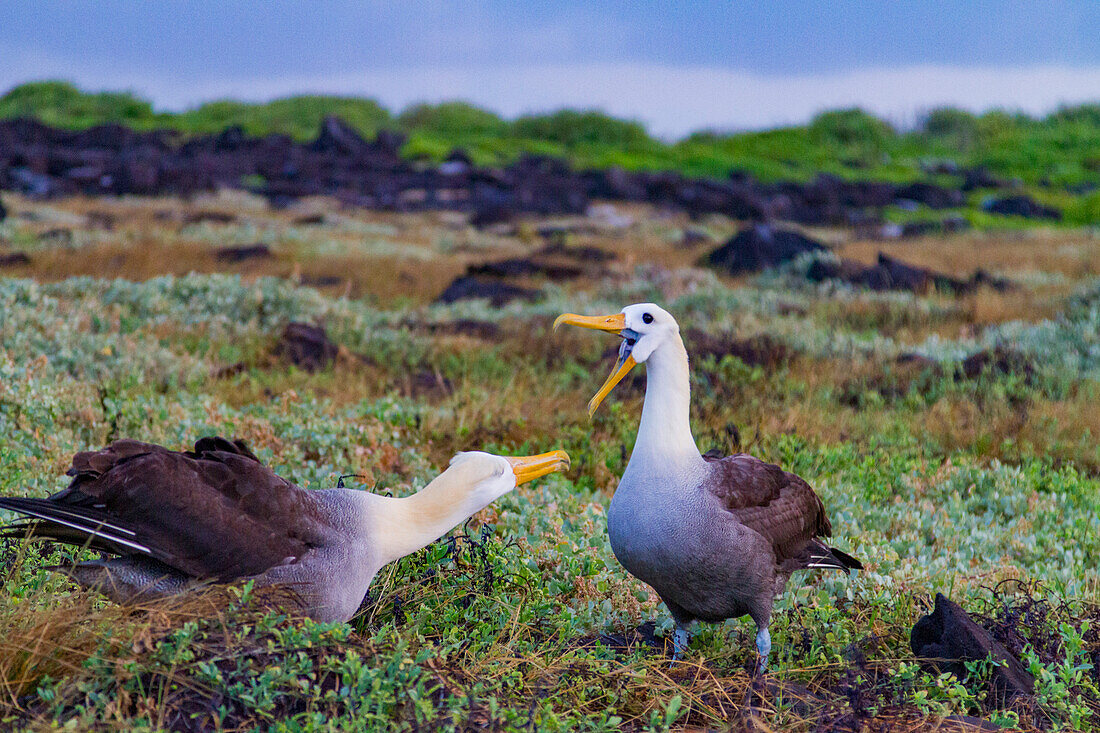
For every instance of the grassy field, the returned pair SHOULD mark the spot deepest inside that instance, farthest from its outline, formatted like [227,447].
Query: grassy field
[981,486]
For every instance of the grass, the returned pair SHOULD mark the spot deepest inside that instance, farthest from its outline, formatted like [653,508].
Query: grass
[982,487]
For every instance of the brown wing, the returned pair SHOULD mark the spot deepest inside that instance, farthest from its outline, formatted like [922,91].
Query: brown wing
[776,503]
[214,512]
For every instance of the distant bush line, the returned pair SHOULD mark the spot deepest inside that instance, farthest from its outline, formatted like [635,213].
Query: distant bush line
[1059,151]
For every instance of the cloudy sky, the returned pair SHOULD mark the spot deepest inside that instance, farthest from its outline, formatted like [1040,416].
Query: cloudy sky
[678,66]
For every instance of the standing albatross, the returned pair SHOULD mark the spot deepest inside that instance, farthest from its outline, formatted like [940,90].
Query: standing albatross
[216,513]
[716,538]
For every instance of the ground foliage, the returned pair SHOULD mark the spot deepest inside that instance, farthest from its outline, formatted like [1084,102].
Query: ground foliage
[977,483]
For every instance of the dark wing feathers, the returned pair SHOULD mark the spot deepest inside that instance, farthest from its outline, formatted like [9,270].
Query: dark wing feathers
[775,503]
[213,512]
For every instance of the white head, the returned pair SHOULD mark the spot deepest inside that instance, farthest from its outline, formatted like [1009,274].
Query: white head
[644,328]
[487,476]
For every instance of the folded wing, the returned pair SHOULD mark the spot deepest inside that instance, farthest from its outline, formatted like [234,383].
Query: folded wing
[214,512]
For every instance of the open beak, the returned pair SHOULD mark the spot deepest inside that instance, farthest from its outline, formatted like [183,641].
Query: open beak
[615,324]
[527,468]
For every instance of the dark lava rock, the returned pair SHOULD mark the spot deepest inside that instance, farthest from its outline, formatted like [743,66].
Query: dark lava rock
[947,638]
[904,276]
[337,136]
[485,330]
[307,346]
[890,273]
[692,236]
[997,361]
[427,383]
[240,254]
[1000,284]
[13,259]
[577,253]
[1024,206]
[760,246]
[980,177]
[497,293]
[760,350]
[850,271]
[213,217]
[489,214]
[931,195]
[522,267]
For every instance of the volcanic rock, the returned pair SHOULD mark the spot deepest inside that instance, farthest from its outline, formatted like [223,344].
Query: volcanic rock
[998,361]
[497,293]
[307,346]
[760,350]
[890,273]
[1024,206]
[523,267]
[931,195]
[760,246]
[13,259]
[240,254]
[947,638]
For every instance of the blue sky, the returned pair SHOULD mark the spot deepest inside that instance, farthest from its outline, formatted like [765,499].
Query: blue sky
[677,66]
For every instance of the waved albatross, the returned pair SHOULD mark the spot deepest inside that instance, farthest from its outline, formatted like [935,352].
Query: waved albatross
[216,513]
[716,538]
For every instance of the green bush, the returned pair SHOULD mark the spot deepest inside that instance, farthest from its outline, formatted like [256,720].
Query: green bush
[63,105]
[851,127]
[572,129]
[454,120]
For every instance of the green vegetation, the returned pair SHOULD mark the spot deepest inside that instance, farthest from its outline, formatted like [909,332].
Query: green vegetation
[1059,150]
[982,486]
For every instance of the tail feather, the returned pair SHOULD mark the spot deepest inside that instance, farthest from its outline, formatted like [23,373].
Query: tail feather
[822,556]
[77,526]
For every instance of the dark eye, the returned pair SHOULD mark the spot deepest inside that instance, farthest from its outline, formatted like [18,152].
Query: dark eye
[647,318]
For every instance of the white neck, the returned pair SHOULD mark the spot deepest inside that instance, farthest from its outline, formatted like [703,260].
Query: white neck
[402,526]
[664,434]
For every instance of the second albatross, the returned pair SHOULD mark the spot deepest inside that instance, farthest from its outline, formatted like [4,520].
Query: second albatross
[716,538]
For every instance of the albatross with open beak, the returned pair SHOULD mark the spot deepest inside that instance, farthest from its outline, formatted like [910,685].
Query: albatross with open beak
[716,538]
[168,518]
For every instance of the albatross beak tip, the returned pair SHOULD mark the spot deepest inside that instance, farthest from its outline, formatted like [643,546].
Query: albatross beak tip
[527,468]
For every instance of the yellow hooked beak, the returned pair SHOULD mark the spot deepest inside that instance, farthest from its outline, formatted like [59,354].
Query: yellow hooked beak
[622,368]
[615,323]
[527,468]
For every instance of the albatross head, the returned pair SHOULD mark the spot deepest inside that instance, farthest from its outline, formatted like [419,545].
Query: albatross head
[644,327]
[492,475]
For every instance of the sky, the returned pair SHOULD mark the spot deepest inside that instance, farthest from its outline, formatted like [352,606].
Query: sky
[676,66]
